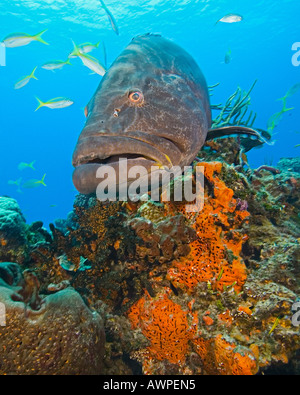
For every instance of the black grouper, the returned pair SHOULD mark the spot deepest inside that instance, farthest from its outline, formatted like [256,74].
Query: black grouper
[151,107]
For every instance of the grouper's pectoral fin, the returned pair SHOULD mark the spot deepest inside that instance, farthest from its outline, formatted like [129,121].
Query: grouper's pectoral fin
[242,131]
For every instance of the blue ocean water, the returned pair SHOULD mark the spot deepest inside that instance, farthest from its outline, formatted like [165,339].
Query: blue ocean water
[261,47]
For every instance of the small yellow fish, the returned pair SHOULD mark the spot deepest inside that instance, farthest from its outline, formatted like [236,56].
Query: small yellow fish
[55,64]
[227,58]
[20,39]
[298,145]
[24,165]
[17,182]
[58,102]
[24,81]
[274,325]
[89,61]
[34,183]
[276,118]
[85,48]
[294,89]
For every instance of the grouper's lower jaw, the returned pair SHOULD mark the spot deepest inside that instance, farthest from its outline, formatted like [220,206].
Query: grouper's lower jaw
[88,176]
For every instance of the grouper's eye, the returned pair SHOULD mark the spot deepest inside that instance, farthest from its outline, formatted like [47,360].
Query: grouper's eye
[136,97]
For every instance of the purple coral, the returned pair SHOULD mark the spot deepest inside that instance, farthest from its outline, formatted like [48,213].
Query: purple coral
[242,205]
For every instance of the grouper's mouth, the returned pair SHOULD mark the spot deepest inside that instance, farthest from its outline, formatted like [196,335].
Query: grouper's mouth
[92,152]
[111,159]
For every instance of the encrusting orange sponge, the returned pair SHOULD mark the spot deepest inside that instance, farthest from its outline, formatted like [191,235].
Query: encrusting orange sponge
[173,330]
[215,254]
[166,325]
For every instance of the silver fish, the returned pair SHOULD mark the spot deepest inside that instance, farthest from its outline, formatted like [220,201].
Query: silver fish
[59,102]
[111,18]
[231,18]
[24,81]
[20,39]
[56,64]
[84,48]
[89,61]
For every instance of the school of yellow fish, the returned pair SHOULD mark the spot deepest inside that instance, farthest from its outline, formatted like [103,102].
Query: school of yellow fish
[80,51]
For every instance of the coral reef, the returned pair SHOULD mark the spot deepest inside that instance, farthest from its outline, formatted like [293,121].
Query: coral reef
[214,256]
[162,240]
[12,231]
[53,334]
[236,319]
[235,109]
[176,292]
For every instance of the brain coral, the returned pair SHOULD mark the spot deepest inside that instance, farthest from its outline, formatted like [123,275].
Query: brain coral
[61,336]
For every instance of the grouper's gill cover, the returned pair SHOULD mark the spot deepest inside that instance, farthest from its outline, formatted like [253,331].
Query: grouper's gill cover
[152,106]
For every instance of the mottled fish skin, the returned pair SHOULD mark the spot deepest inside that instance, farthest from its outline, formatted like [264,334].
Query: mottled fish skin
[170,124]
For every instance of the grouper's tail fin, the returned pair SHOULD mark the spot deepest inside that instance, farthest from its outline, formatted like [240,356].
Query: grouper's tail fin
[231,131]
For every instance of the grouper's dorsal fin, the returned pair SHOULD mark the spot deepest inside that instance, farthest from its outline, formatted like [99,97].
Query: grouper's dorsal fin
[146,35]
[230,131]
